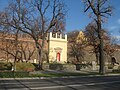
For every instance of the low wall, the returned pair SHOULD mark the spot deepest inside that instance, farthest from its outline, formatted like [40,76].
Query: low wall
[72,67]
[67,67]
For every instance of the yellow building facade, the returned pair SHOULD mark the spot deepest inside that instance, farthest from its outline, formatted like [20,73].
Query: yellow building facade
[81,37]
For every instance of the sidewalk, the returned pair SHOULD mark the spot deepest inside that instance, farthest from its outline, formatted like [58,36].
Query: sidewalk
[60,72]
[81,72]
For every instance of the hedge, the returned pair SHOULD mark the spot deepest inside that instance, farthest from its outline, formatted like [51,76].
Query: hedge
[25,67]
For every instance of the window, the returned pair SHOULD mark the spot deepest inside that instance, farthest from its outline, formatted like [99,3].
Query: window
[53,35]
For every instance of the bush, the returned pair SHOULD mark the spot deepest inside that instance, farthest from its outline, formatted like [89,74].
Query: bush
[5,66]
[110,66]
[25,67]
[36,66]
[82,66]
[116,70]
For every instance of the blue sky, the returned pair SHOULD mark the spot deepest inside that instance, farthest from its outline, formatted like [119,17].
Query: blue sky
[76,19]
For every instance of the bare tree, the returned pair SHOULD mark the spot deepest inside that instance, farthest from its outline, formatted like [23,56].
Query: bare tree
[36,18]
[99,11]
[76,46]
[92,36]
[10,45]
[27,50]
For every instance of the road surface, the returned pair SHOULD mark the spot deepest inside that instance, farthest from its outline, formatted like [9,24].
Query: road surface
[73,83]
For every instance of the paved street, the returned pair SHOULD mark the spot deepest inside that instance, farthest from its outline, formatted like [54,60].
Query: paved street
[73,83]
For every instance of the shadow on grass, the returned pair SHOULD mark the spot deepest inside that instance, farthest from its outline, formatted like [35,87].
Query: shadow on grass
[62,74]
[10,74]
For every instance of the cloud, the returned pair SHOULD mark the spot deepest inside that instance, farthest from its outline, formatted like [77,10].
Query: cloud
[113,27]
[115,39]
[118,37]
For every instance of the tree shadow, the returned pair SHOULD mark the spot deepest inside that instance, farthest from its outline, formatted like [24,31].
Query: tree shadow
[60,84]
[22,84]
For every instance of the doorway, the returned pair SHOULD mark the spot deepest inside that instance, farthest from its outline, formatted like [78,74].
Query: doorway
[58,56]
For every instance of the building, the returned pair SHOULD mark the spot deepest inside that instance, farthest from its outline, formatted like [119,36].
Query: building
[57,47]
[23,47]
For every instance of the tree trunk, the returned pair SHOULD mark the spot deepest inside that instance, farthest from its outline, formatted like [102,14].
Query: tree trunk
[101,58]
[42,49]
[77,58]
[40,53]
[101,47]
[97,57]
[14,64]
[39,57]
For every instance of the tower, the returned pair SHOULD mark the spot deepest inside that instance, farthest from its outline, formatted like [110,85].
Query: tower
[57,47]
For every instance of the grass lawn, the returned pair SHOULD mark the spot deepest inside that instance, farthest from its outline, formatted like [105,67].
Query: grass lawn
[9,74]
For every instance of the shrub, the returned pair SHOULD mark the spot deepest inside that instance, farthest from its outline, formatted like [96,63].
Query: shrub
[116,70]
[25,67]
[82,66]
[5,66]
[36,66]
[110,66]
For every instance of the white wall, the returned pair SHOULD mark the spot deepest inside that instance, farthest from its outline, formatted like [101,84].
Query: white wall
[55,43]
